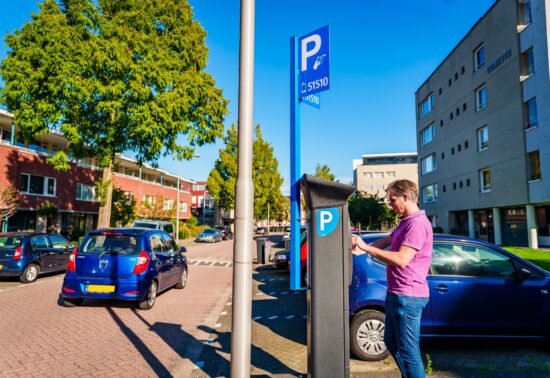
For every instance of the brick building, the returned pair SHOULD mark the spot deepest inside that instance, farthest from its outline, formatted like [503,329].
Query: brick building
[23,165]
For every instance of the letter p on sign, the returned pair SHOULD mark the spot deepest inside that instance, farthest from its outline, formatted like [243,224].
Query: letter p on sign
[314,39]
[327,220]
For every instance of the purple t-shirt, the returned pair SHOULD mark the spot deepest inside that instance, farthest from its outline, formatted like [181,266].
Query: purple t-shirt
[414,231]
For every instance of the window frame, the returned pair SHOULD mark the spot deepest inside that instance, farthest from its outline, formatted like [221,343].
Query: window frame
[483,187]
[482,145]
[430,131]
[425,195]
[531,104]
[479,61]
[481,89]
[433,164]
[89,188]
[429,101]
[534,172]
[45,185]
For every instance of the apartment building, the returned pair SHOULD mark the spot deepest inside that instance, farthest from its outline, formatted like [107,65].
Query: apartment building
[23,166]
[372,173]
[483,126]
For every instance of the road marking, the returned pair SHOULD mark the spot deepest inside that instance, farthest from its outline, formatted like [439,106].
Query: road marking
[284,292]
[273,293]
[289,317]
[228,304]
[218,325]
[273,317]
[224,313]
[256,318]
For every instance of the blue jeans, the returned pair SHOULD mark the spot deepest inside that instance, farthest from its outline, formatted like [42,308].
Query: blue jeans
[402,333]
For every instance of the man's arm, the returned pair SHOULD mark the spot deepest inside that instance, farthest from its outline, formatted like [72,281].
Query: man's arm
[399,258]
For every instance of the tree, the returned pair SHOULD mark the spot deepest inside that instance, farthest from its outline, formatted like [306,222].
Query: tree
[370,211]
[9,200]
[124,208]
[157,207]
[265,176]
[113,76]
[324,172]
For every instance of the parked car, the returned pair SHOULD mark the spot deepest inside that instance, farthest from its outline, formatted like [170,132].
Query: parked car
[27,255]
[225,231]
[209,235]
[261,230]
[165,226]
[477,290]
[281,260]
[132,264]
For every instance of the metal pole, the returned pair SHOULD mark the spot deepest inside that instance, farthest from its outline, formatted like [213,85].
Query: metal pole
[244,202]
[178,209]
[295,281]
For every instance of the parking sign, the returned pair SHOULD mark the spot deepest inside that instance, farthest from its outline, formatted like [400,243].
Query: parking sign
[313,59]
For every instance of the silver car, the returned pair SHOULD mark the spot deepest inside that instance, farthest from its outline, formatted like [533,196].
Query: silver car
[209,235]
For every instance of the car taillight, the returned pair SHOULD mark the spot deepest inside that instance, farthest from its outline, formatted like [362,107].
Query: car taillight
[142,263]
[71,264]
[18,253]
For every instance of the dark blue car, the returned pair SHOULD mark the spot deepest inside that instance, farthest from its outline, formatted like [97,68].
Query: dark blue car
[477,290]
[28,254]
[133,264]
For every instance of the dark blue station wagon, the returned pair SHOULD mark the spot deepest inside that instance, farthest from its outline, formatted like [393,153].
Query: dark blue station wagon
[132,264]
[28,254]
[477,290]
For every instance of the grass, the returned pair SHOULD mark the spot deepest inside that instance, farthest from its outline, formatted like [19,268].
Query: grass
[538,257]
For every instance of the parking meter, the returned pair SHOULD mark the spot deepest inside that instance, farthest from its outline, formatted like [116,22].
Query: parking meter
[329,276]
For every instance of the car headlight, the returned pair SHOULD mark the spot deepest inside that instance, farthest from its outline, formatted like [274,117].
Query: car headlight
[280,257]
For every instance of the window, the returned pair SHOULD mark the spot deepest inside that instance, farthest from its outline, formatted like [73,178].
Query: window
[524,14]
[367,175]
[40,241]
[85,192]
[531,112]
[483,138]
[168,204]
[458,259]
[481,97]
[428,164]
[148,199]
[31,184]
[534,165]
[183,206]
[378,174]
[485,180]
[527,64]
[426,106]
[427,134]
[442,155]
[390,173]
[479,57]
[429,193]
[59,241]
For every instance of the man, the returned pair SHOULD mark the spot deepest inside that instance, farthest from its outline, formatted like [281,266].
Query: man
[408,261]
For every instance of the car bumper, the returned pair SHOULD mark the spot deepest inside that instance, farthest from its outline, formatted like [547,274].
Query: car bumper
[11,268]
[280,264]
[128,290]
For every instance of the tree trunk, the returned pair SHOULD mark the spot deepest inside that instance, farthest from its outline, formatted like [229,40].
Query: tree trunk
[104,218]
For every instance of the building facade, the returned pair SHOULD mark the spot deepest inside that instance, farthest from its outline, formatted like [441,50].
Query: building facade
[483,129]
[23,166]
[373,173]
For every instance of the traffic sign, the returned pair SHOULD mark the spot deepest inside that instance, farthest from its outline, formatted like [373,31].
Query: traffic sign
[312,100]
[313,58]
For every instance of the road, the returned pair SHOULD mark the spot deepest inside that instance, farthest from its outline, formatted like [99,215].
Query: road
[40,337]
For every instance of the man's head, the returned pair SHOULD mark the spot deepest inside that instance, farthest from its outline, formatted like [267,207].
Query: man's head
[403,196]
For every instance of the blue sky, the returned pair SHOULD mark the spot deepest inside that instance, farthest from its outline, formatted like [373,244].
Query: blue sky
[380,53]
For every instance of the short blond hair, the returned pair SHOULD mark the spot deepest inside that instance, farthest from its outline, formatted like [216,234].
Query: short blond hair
[400,187]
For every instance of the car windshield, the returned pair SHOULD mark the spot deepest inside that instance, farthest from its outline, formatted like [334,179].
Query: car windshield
[11,242]
[209,231]
[118,244]
[145,225]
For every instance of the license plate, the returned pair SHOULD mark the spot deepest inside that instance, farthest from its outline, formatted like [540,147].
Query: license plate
[1,266]
[101,288]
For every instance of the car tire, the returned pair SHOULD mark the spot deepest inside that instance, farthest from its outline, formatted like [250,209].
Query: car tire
[367,336]
[72,302]
[183,279]
[30,274]
[150,298]
[303,275]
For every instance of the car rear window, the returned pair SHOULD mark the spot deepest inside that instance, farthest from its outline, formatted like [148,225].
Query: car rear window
[101,243]
[10,242]
[145,225]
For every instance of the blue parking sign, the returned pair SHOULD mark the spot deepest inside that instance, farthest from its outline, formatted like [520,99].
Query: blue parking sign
[313,60]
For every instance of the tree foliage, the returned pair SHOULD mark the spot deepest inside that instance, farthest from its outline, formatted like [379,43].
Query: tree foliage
[370,212]
[124,208]
[9,200]
[265,176]
[113,76]
[324,172]
[157,207]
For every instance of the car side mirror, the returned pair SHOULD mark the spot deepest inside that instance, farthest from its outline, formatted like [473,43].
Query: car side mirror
[182,250]
[523,274]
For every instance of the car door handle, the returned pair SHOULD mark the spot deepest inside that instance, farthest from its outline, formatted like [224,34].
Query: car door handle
[442,288]
[53,253]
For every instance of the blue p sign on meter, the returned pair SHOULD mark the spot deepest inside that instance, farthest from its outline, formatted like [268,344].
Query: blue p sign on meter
[313,58]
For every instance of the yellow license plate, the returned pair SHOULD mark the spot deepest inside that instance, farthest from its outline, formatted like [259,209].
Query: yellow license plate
[1,266]
[101,288]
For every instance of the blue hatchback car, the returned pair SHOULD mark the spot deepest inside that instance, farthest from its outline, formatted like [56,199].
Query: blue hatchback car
[477,290]
[133,264]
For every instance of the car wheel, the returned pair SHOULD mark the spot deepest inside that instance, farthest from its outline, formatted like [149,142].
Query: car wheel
[150,298]
[183,279]
[367,336]
[72,302]
[303,275]
[30,274]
